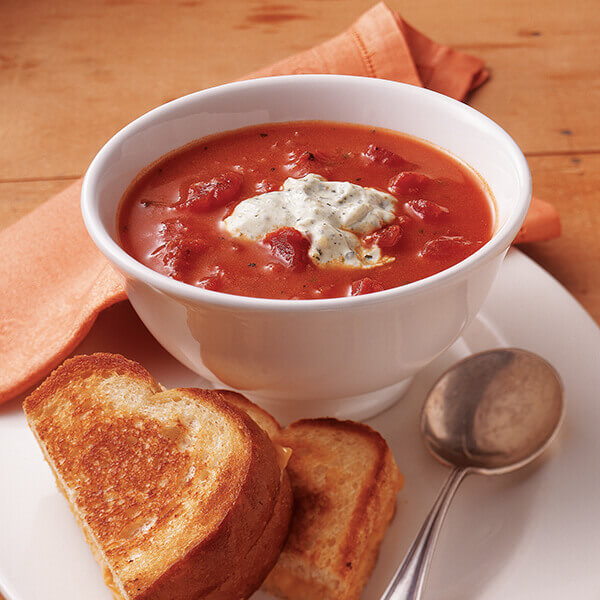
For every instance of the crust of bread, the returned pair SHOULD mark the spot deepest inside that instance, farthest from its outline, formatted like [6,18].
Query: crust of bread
[170,487]
[345,482]
[255,566]
[259,415]
[271,542]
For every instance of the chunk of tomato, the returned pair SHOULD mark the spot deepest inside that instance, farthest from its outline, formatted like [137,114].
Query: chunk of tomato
[170,228]
[389,236]
[445,247]
[426,210]
[179,254]
[366,285]
[207,195]
[289,246]
[408,182]
[377,154]
[303,162]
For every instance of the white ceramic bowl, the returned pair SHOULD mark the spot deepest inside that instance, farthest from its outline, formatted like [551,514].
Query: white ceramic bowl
[345,357]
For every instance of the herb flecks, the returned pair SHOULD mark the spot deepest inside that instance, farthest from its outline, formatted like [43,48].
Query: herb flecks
[251,264]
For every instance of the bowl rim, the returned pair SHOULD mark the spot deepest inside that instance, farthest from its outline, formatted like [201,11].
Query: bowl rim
[500,241]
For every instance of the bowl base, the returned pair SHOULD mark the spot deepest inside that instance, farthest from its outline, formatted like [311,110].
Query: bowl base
[357,408]
[365,406]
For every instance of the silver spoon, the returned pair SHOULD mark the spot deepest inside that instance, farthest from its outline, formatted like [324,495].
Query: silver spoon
[491,413]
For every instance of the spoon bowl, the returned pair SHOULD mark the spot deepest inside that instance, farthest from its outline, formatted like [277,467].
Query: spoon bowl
[491,413]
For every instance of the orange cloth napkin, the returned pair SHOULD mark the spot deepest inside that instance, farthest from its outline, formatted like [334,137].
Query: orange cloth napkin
[53,281]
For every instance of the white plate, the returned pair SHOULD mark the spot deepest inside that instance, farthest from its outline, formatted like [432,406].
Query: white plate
[533,534]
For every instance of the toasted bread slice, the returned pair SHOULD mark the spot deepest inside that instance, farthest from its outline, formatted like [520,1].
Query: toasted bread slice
[252,570]
[259,415]
[179,493]
[345,483]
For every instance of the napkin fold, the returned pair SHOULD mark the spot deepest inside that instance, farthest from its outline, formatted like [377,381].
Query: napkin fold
[53,280]
[381,44]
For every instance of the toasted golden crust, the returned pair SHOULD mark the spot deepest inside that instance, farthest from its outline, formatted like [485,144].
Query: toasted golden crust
[81,367]
[261,559]
[345,483]
[266,421]
[255,566]
[170,487]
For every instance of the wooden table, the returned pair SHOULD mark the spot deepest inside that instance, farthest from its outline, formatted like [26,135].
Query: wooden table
[72,73]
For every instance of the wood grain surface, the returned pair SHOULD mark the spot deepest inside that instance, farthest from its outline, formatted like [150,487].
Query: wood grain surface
[73,72]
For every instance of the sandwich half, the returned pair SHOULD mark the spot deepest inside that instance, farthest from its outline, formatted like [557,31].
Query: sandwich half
[180,494]
[345,482]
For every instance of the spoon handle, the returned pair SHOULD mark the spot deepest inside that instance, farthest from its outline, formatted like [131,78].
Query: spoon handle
[407,583]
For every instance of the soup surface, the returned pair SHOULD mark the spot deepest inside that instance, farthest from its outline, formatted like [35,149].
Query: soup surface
[304,210]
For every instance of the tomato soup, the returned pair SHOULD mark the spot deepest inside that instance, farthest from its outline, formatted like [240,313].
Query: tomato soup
[305,210]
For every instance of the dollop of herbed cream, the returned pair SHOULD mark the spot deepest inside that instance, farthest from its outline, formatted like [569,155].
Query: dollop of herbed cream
[328,213]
